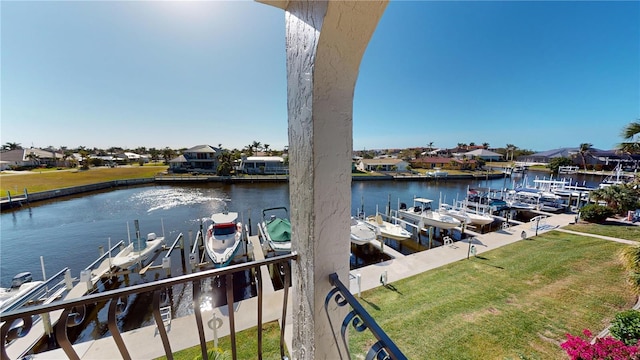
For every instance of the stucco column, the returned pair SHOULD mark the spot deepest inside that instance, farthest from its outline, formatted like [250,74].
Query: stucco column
[325,42]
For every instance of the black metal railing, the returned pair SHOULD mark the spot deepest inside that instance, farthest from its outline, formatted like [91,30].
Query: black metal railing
[360,320]
[17,324]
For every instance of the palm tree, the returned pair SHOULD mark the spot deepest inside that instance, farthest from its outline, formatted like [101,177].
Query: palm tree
[584,150]
[430,145]
[485,145]
[256,145]
[266,149]
[11,146]
[33,158]
[630,257]
[168,154]
[248,150]
[632,146]
[510,148]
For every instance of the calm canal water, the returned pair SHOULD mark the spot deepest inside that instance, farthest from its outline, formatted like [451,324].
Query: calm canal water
[68,232]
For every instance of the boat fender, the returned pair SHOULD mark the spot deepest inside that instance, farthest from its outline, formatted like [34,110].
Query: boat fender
[209,232]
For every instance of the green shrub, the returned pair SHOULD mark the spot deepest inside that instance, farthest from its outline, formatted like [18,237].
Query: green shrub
[214,354]
[626,327]
[595,213]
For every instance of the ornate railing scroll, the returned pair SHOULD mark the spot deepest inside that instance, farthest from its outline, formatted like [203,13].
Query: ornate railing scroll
[360,320]
[18,323]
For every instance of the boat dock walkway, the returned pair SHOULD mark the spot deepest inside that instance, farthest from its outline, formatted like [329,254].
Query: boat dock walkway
[413,264]
[183,333]
[20,345]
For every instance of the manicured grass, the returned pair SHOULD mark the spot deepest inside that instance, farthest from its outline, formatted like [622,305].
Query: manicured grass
[246,342]
[35,181]
[514,302]
[628,232]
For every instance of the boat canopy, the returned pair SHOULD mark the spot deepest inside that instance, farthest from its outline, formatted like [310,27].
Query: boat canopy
[279,230]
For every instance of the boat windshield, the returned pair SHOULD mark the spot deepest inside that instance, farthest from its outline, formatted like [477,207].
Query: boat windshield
[224,229]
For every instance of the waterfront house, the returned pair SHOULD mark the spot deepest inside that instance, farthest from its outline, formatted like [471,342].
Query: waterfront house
[263,165]
[483,154]
[31,157]
[445,163]
[383,164]
[203,158]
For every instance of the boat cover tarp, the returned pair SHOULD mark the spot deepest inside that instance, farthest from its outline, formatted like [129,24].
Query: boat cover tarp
[279,230]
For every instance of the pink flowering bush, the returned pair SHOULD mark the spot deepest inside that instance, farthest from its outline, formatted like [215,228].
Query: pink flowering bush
[606,348]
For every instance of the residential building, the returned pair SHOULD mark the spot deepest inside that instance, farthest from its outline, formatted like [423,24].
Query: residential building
[263,165]
[483,154]
[384,164]
[202,158]
[446,163]
[31,157]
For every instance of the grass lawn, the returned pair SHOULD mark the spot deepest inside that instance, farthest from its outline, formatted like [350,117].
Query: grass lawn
[629,232]
[514,302]
[246,342]
[35,181]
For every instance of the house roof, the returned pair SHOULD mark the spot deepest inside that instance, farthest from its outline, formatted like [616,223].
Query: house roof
[385,161]
[202,149]
[441,160]
[21,154]
[179,159]
[482,152]
[264,158]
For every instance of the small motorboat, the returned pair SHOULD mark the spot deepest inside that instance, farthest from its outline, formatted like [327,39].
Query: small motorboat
[223,238]
[276,230]
[422,214]
[137,251]
[388,230]
[361,232]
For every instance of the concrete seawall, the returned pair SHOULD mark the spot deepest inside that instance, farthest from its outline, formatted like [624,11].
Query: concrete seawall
[18,200]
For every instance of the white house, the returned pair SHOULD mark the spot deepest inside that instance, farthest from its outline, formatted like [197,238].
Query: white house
[263,165]
[387,164]
[483,154]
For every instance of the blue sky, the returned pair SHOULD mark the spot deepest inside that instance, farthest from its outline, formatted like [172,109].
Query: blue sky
[539,75]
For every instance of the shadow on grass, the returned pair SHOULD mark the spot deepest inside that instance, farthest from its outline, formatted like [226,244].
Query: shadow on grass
[484,263]
[374,306]
[391,287]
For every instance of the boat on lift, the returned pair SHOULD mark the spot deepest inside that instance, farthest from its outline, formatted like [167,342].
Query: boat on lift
[223,237]
[422,214]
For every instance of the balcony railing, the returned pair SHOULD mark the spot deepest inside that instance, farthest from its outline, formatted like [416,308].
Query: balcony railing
[360,320]
[17,324]
[66,314]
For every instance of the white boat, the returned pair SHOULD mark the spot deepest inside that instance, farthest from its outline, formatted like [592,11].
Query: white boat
[422,214]
[361,233]
[388,230]
[437,173]
[21,284]
[459,214]
[223,238]
[466,216]
[137,251]
[276,230]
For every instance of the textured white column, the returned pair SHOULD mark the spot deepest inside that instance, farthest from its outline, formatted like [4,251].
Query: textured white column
[325,42]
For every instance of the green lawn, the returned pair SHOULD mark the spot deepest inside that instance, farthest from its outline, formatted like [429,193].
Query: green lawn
[246,342]
[514,302]
[35,181]
[629,232]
